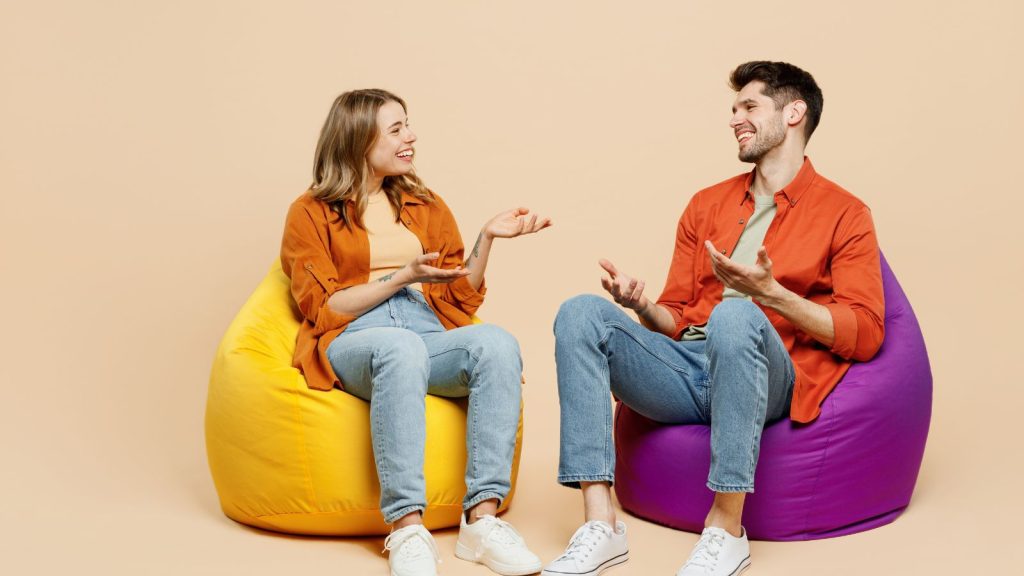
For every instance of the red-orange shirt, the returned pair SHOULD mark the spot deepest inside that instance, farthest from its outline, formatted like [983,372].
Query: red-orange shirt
[823,247]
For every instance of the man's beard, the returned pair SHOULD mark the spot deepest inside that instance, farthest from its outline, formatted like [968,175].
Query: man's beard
[764,141]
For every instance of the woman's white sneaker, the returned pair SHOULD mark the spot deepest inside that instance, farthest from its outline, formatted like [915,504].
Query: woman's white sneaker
[495,543]
[594,548]
[717,553]
[412,552]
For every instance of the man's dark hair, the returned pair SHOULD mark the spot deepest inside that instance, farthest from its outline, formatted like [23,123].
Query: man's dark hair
[783,83]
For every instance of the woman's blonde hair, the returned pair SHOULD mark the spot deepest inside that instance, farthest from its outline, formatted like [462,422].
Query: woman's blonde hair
[340,169]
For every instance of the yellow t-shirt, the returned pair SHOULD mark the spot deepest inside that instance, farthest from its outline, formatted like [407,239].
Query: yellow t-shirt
[392,245]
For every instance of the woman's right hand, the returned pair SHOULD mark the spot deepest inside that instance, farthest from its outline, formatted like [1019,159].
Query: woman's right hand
[421,270]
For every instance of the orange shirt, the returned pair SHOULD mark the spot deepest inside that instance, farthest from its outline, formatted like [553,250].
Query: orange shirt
[321,257]
[823,247]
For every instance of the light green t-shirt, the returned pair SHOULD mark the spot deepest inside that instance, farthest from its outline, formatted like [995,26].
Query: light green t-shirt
[745,253]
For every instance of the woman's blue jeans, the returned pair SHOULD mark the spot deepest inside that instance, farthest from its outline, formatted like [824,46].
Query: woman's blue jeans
[737,380]
[396,354]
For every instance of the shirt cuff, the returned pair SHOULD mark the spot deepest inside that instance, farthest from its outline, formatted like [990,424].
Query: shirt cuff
[328,319]
[844,328]
[464,292]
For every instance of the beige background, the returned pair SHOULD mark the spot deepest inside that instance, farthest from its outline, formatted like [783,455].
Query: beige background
[148,152]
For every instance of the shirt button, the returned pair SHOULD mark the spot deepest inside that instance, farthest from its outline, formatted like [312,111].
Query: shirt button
[741,220]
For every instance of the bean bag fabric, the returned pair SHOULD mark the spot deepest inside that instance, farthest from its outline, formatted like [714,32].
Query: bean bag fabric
[851,470]
[290,459]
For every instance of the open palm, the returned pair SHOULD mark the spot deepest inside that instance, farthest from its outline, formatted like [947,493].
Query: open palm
[515,222]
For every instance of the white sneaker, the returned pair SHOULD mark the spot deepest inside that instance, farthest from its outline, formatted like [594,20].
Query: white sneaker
[495,543]
[594,548]
[717,553]
[412,552]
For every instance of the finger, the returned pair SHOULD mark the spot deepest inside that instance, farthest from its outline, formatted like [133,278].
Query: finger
[609,267]
[606,284]
[545,223]
[521,211]
[532,226]
[763,259]
[428,257]
[638,291]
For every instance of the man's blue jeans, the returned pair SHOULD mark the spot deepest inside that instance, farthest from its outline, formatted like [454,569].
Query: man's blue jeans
[737,380]
[396,354]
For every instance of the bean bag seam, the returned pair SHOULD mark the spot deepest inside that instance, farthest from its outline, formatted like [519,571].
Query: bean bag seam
[307,474]
[821,466]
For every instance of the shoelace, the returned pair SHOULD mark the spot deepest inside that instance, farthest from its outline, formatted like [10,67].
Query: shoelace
[500,531]
[411,545]
[585,540]
[705,554]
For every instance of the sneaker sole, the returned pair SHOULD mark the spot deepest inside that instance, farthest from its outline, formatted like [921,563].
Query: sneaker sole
[464,553]
[611,563]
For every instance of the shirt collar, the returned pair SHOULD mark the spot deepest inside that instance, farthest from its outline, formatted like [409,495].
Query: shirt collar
[793,191]
[410,199]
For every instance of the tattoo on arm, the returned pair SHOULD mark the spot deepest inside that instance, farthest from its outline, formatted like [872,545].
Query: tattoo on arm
[476,249]
[387,277]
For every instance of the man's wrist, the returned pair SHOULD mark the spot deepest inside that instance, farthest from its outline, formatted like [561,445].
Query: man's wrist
[775,297]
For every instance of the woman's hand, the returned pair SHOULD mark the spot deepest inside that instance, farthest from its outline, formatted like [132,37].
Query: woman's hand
[421,269]
[515,222]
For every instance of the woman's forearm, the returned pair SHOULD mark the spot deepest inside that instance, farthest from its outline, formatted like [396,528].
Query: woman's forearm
[476,262]
[361,298]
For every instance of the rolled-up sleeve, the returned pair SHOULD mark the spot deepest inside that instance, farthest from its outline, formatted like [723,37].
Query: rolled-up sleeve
[305,258]
[857,305]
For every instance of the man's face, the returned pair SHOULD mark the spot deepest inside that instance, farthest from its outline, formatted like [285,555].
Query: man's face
[758,125]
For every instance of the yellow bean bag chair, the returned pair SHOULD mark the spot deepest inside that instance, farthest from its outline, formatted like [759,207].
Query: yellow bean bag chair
[290,459]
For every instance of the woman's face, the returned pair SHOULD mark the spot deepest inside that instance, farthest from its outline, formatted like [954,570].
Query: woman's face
[392,153]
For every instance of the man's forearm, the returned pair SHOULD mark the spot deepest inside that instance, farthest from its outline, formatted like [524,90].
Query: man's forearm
[657,318]
[814,319]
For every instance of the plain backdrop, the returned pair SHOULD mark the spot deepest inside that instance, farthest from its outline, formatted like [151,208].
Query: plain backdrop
[149,151]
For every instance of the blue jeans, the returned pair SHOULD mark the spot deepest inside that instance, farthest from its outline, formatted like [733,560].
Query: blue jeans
[396,354]
[737,380]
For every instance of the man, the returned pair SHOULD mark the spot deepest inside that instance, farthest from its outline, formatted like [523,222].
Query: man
[774,289]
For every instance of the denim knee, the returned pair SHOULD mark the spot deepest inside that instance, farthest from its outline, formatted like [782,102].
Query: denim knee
[579,311]
[403,351]
[494,340]
[734,317]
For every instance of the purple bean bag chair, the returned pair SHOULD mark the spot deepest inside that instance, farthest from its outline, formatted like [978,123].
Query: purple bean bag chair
[850,470]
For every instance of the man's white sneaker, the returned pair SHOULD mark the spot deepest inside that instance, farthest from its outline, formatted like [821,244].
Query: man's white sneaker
[594,548]
[412,552]
[495,543]
[717,553]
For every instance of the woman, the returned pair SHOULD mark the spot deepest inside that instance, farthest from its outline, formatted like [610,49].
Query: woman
[376,267]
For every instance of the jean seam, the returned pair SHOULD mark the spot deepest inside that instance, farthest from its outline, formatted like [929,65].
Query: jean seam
[754,440]
[378,437]
[609,450]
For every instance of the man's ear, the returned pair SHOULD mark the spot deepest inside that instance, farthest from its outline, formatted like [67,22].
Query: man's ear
[795,112]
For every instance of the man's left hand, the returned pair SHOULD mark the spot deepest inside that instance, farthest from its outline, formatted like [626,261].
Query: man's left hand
[755,281]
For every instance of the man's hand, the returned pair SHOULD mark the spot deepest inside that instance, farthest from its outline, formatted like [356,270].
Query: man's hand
[755,281]
[628,292]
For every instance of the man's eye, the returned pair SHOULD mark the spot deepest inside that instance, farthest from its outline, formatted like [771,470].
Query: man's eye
[395,131]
